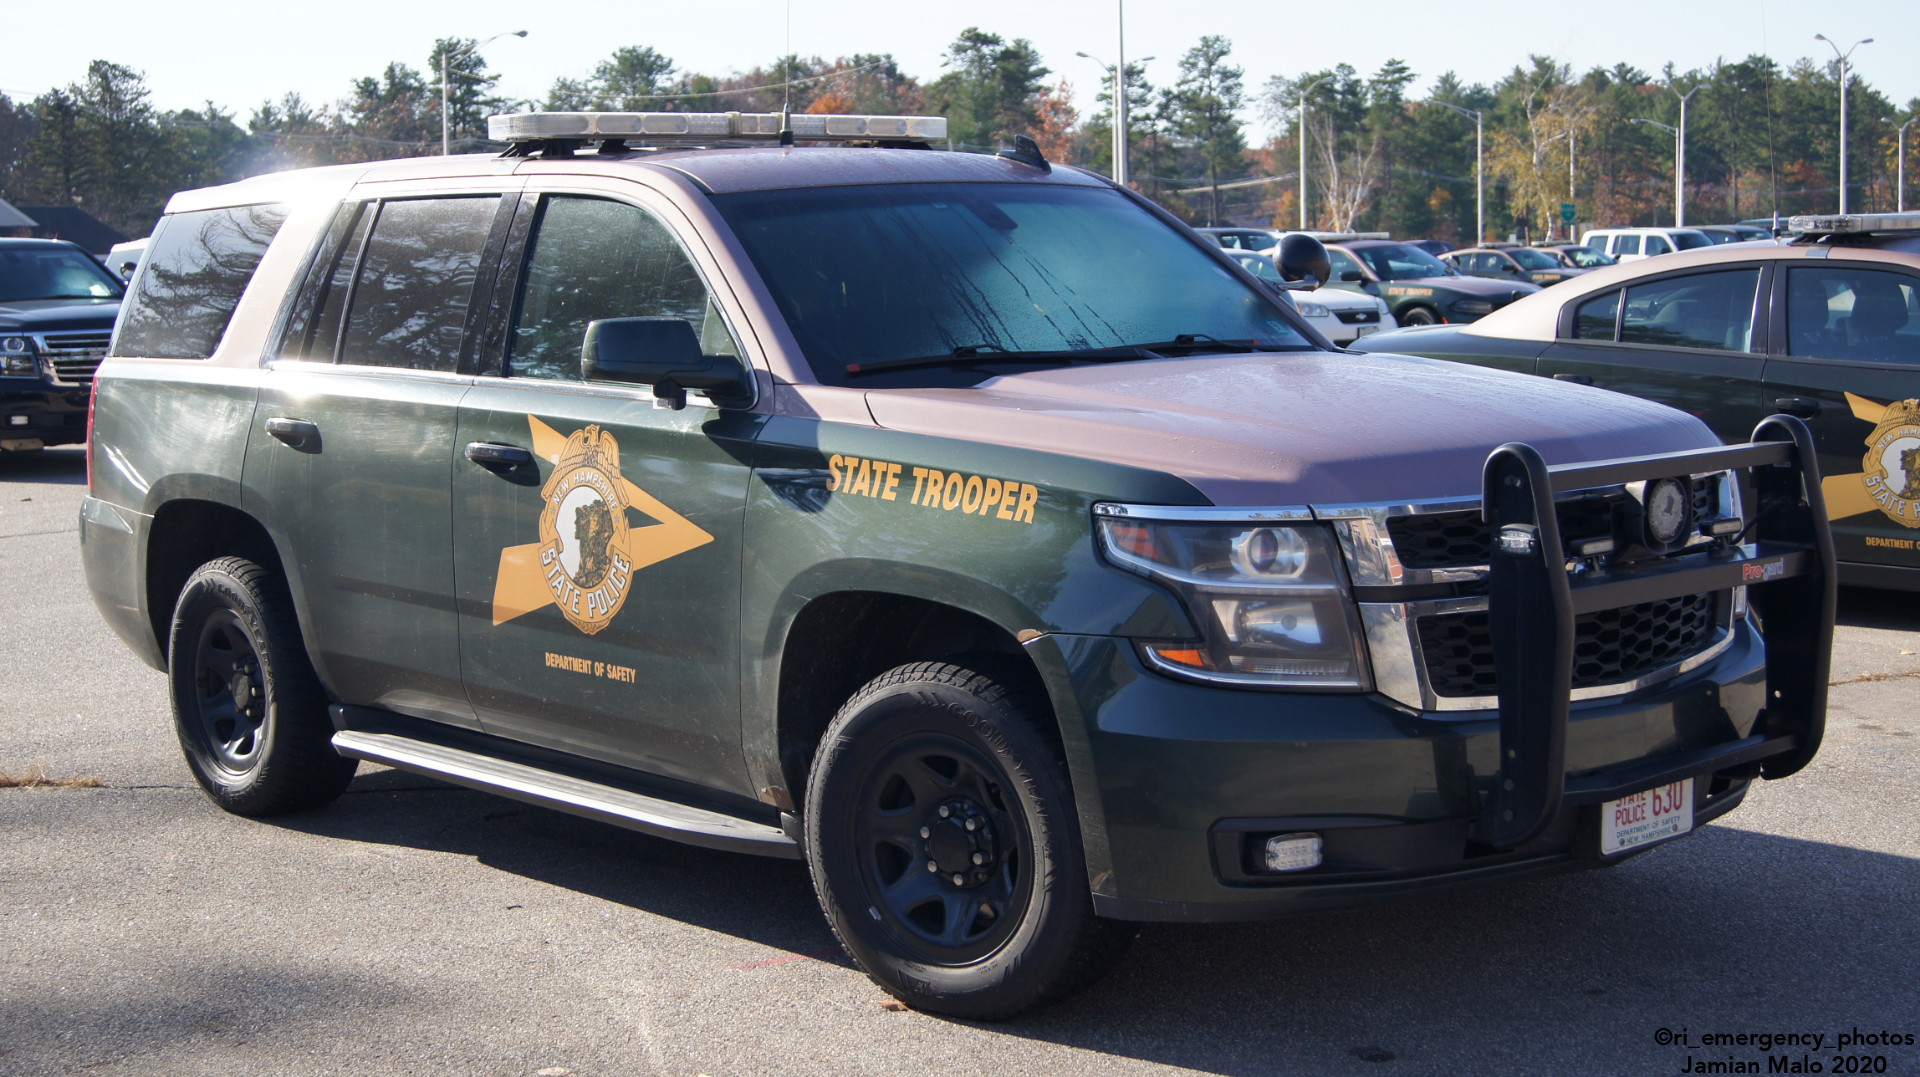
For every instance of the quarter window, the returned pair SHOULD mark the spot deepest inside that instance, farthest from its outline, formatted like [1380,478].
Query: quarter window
[409,302]
[1701,310]
[194,271]
[1594,319]
[1626,244]
[590,259]
[1844,312]
[1657,245]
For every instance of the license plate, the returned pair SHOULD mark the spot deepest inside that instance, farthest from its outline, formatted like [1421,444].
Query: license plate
[1645,817]
[1363,330]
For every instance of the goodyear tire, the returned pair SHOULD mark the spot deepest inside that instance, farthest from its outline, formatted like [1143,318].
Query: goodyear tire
[249,712]
[1420,316]
[945,849]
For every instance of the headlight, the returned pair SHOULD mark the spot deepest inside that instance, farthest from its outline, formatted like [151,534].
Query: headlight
[1312,310]
[16,357]
[1270,600]
[1473,306]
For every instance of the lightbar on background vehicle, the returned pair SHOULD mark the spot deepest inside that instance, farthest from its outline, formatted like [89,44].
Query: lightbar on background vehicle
[1852,224]
[710,127]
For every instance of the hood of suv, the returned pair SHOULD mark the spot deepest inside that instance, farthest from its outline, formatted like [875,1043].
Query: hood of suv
[1290,429]
[53,315]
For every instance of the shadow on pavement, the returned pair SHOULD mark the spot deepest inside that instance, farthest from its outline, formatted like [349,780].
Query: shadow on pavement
[1864,608]
[64,464]
[1727,930]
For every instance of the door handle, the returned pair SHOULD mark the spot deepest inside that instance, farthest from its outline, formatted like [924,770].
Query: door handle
[495,457]
[299,433]
[1799,407]
[1577,379]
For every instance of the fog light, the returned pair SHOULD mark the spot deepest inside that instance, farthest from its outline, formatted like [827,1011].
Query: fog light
[18,420]
[1293,852]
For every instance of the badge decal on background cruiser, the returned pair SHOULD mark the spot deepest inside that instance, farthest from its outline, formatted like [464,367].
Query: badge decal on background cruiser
[587,553]
[1890,480]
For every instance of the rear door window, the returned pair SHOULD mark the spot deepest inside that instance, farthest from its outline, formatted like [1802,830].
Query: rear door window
[1700,310]
[1626,244]
[1848,312]
[1657,245]
[191,279]
[409,302]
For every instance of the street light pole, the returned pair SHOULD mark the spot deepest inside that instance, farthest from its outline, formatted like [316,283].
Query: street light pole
[1479,169]
[1679,164]
[1843,56]
[1303,147]
[1900,184]
[1121,138]
[446,55]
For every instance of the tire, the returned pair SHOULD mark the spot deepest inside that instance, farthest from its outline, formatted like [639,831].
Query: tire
[933,765]
[249,712]
[1420,316]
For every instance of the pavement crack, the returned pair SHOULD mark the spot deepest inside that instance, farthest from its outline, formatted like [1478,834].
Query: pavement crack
[1899,675]
[36,534]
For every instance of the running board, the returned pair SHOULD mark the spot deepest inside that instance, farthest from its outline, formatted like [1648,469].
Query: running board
[606,803]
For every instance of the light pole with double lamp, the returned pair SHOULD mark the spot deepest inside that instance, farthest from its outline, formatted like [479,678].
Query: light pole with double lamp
[1843,57]
[446,128]
[1303,148]
[1119,91]
[1479,169]
[1900,168]
[1679,169]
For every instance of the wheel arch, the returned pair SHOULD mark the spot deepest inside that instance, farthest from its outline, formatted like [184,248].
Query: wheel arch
[188,532]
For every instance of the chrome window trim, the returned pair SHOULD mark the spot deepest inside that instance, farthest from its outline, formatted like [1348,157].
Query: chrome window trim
[1400,673]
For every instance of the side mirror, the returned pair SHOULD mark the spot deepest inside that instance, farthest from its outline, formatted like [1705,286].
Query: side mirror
[1352,275]
[1300,257]
[665,354]
[1509,267]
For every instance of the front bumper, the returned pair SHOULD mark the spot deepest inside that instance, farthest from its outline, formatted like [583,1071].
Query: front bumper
[33,412]
[1179,781]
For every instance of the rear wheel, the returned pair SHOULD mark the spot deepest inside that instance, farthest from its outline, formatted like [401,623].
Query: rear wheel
[247,707]
[1420,316]
[945,848]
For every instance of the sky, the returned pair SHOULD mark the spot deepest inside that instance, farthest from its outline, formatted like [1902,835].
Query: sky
[240,54]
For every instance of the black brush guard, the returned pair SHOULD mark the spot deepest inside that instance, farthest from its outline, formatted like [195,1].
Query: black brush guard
[1533,601]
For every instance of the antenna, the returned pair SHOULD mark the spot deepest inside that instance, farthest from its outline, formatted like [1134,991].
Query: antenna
[786,106]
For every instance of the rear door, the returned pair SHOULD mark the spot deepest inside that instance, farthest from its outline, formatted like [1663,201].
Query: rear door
[599,581]
[1849,345]
[353,445]
[1691,340]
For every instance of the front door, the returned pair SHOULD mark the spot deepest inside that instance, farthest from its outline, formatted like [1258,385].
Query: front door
[599,581]
[1686,340]
[353,446]
[1850,348]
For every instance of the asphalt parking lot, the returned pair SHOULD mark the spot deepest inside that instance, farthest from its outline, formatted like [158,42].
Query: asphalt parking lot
[415,927]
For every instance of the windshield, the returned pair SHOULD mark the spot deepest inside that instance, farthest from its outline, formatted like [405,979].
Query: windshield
[875,274]
[1587,257]
[1533,259]
[1400,261]
[1690,240]
[53,273]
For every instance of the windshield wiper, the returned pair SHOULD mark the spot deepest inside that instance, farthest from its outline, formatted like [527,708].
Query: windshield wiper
[971,354]
[1191,342]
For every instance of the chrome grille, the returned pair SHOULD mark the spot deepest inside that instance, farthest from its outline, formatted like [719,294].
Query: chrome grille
[74,357]
[1462,539]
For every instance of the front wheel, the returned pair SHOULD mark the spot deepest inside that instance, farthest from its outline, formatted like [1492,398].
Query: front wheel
[1420,316]
[945,849]
[247,707]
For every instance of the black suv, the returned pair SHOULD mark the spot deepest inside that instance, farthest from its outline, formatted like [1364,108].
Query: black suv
[57,307]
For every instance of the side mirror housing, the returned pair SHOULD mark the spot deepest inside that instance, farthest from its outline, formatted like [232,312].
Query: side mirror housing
[663,353]
[1352,275]
[1300,257]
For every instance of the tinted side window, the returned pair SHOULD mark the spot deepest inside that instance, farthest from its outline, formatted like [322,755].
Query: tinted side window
[1626,244]
[1344,264]
[1594,319]
[591,259]
[1656,245]
[1703,310]
[1844,312]
[409,302]
[193,273]
[313,328]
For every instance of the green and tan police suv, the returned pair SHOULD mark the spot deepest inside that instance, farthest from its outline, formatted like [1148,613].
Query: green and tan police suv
[960,524]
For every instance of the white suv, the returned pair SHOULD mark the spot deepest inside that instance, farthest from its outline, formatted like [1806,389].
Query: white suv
[1633,244]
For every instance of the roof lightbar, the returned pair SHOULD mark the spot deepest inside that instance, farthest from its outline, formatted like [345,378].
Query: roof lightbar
[1853,224]
[710,127]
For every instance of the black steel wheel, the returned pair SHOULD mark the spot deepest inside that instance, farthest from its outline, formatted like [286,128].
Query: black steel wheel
[944,846]
[250,715]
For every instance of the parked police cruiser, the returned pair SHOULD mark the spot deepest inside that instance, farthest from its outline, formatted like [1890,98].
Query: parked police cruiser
[963,525]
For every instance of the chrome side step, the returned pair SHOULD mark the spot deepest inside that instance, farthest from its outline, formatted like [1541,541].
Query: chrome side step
[621,807]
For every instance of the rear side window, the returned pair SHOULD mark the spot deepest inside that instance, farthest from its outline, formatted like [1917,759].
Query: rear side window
[191,279]
[1594,319]
[1626,244]
[408,305]
[1656,245]
[1844,312]
[1701,310]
